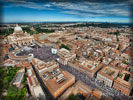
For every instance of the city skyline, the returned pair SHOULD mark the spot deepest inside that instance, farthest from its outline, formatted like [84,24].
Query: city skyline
[14,11]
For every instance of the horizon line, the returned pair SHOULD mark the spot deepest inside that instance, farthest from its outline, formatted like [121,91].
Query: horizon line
[65,22]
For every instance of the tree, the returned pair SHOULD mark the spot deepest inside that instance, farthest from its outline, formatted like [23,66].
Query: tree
[64,46]
[72,97]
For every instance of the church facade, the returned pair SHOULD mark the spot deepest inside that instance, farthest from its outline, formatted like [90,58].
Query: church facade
[19,37]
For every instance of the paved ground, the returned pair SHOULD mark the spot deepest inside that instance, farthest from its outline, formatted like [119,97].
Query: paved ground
[43,53]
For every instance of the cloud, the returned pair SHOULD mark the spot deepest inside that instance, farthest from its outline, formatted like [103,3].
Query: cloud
[82,9]
[47,5]
[94,9]
[29,4]
[82,14]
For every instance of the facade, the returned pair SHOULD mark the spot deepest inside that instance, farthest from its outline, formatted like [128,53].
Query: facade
[19,38]
[123,83]
[34,86]
[107,75]
[13,55]
[4,49]
[65,56]
[86,66]
[42,66]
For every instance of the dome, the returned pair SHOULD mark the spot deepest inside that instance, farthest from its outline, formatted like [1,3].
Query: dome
[18,29]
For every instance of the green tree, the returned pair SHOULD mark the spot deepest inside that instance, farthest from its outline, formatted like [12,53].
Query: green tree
[64,46]
[72,97]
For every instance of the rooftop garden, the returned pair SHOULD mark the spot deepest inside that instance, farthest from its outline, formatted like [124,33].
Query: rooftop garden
[109,72]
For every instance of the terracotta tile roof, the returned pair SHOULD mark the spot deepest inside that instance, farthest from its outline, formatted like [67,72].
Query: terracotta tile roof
[30,80]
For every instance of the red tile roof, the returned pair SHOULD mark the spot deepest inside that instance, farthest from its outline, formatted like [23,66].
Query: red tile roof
[30,80]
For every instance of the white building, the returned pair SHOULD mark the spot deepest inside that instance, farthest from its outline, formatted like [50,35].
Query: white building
[54,51]
[18,79]
[107,75]
[65,56]
[19,38]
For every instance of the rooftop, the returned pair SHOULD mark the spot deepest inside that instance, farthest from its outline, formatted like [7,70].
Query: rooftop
[78,87]
[124,78]
[57,80]
[18,77]
[109,72]
[41,65]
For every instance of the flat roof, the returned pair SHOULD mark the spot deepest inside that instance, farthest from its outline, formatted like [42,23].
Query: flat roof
[19,77]
[51,83]
[87,66]
[121,80]
[109,72]
[78,87]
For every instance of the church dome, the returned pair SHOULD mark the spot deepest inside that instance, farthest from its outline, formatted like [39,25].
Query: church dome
[18,29]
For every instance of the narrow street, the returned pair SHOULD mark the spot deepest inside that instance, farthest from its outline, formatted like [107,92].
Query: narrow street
[44,88]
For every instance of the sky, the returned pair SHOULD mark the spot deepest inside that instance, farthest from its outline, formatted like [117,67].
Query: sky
[15,11]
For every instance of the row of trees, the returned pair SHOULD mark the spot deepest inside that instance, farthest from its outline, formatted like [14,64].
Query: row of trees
[37,30]
[44,30]
[6,32]
[102,25]
[115,33]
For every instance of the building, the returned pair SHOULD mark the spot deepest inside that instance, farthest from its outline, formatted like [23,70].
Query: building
[107,75]
[18,79]
[78,88]
[54,78]
[19,38]
[58,81]
[53,50]
[4,49]
[42,66]
[123,82]
[13,55]
[65,56]
[90,68]
[34,86]
[96,94]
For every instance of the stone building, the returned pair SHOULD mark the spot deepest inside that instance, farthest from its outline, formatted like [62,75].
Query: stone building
[107,75]
[123,83]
